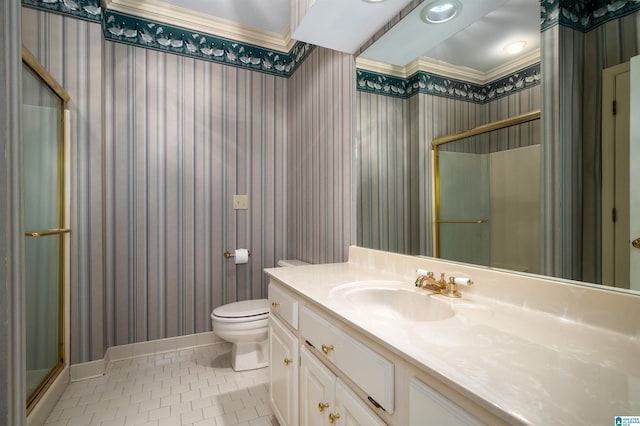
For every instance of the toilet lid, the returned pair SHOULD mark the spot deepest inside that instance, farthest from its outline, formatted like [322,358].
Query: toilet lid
[246,308]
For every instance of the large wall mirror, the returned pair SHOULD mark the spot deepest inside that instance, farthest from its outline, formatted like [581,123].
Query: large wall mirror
[466,74]
[487,194]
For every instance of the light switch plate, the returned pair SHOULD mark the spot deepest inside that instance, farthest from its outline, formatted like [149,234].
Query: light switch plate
[240,202]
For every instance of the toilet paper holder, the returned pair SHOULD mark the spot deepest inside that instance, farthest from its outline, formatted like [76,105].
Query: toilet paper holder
[227,254]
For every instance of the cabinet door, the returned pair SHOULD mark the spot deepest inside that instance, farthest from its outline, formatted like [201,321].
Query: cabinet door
[350,410]
[317,395]
[283,373]
[352,357]
[428,407]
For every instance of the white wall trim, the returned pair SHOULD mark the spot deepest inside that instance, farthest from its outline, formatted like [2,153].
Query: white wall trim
[445,69]
[97,368]
[174,15]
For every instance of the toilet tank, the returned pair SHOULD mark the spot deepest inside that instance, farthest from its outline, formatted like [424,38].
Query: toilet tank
[292,262]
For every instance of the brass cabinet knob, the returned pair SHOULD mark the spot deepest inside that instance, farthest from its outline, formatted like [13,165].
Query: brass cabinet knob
[327,348]
[275,304]
[287,361]
[636,243]
[322,406]
[333,417]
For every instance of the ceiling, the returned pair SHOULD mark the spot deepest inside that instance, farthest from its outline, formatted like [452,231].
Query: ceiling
[470,40]
[265,15]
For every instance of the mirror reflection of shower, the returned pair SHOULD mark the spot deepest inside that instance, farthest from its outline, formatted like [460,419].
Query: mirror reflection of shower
[487,195]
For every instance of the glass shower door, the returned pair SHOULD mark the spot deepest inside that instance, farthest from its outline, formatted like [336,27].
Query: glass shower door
[44,234]
[463,214]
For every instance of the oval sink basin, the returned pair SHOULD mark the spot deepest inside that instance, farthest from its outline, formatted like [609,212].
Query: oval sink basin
[399,303]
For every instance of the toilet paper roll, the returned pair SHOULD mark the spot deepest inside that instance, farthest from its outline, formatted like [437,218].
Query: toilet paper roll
[241,256]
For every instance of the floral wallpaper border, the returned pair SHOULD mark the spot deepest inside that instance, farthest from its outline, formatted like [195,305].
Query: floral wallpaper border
[88,10]
[583,15]
[433,84]
[122,28]
[127,29]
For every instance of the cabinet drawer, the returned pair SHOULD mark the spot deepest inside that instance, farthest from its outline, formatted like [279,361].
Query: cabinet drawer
[284,305]
[373,373]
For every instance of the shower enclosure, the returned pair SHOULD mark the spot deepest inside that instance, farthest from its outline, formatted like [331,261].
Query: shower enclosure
[487,195]
[45,232]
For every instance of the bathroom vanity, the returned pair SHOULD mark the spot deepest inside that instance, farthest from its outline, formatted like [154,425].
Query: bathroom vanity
[359,343]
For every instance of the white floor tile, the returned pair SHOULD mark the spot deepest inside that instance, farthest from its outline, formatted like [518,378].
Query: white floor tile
[159,413]
[187,387]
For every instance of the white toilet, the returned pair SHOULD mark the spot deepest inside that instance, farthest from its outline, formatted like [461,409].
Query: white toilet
[245,324]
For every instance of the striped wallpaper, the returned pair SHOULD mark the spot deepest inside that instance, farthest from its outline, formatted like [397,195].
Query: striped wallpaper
[181,138]
[384,175]
[393,136]
[160,144]
[12,297]
[571,89]
[319,192]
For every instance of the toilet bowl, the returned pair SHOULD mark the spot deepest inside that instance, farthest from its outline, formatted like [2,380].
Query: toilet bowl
[245,325]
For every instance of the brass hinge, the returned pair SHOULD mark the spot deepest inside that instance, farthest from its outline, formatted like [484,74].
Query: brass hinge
[614,214]
[615,108]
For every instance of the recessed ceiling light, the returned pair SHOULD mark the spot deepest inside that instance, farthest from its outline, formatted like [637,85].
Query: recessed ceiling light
[515,47]
[440,11]
[373,1]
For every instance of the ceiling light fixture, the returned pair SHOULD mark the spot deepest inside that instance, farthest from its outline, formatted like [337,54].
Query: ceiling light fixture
[515,47]
[440,11]
[373,1]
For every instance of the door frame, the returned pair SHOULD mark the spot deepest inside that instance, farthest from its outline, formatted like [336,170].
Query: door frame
[608,170]
[30,61]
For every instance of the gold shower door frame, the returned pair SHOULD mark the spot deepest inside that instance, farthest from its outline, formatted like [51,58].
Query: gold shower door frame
[32,63]
[435,143]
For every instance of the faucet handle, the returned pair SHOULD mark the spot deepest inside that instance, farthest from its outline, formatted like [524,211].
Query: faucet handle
[461,281]
[423,274]
[452,286]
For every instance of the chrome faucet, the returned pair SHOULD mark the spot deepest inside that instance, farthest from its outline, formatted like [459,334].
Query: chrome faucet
[427,281]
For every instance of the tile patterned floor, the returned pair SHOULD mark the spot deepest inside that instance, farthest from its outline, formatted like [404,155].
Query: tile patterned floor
[186,387]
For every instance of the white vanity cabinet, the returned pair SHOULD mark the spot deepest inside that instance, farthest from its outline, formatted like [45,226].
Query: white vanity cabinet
[352,410]
[325,399]
[317,390]
[283,373]
[373,373]
[323,371]
[284,359]
[428,407]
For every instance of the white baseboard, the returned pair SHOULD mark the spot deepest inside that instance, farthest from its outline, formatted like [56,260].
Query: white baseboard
[87,370]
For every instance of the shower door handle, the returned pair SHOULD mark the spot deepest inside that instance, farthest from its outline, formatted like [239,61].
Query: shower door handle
[47,232]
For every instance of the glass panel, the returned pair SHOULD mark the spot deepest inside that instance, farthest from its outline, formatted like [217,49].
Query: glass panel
[493,178]
[42,307]
[464,188]
[42,144]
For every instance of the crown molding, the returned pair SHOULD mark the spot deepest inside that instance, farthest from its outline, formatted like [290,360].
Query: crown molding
[434,84]
[444,69]
[133,30]
[155,10]
[512,66]
[381,67]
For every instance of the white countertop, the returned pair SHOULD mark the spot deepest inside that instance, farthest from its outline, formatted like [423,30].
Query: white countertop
[526,366]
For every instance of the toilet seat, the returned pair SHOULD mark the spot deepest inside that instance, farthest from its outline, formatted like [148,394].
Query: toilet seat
[244,311]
